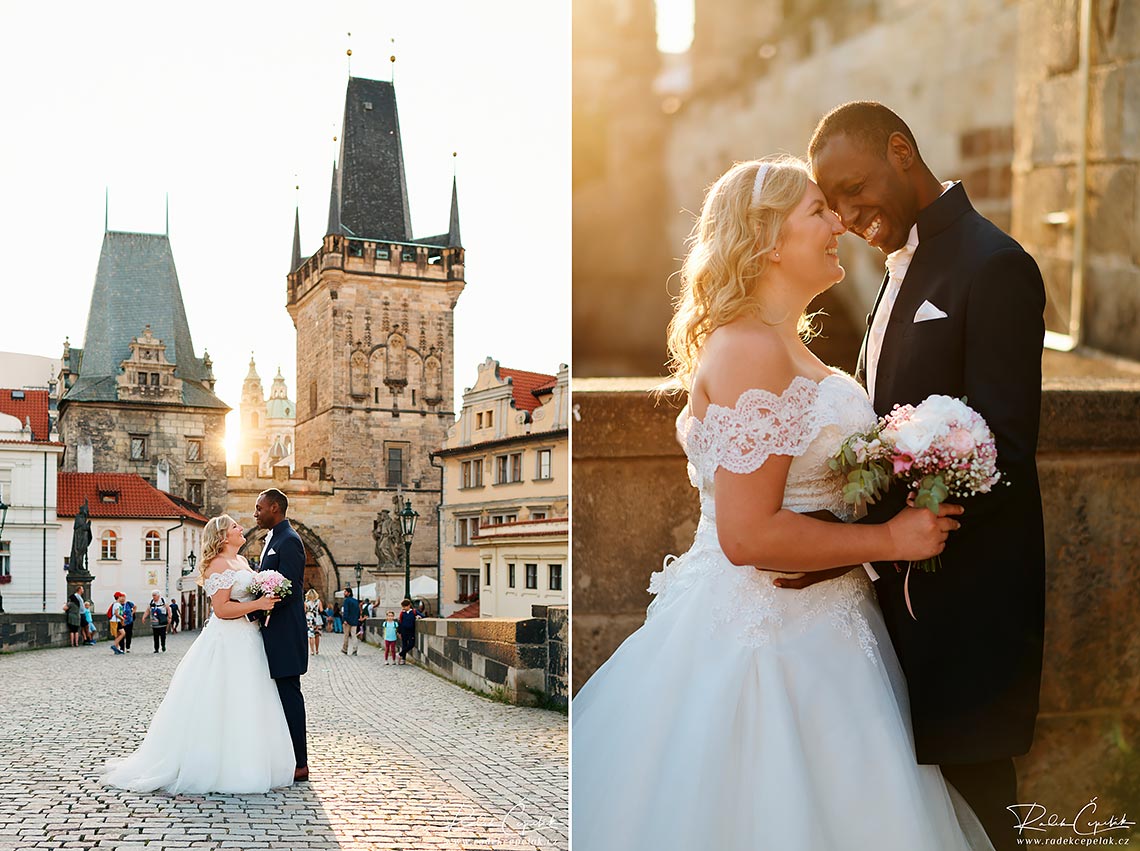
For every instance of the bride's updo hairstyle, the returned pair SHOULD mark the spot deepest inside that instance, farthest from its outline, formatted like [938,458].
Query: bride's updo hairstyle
[721,278]
[213,539]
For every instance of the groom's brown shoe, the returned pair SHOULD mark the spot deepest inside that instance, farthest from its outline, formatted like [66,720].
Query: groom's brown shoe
[301,774]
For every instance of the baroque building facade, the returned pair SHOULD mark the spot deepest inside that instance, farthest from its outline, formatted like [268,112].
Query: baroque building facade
[506,473]
[373,308]
[136,399]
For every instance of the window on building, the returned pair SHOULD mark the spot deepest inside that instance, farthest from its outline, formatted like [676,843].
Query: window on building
[544,463]
[511,575]
[555,577]
[142,379]
[487,573]
[395,465]
[312,398]
[516,467]
[413,397]
[194,449]
[5,558]
[468,587]
[488,419]
[109,546]
[532,576]
[501,469]
[254,420]
[194,492]
[538,515]
[466,530]
[152,546]
[479,420]
[375,395]
[383,253]
[472,473]
[154,379]
[138,447]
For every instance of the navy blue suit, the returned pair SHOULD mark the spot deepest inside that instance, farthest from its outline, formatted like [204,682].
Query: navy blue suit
[285,636]
[973,658]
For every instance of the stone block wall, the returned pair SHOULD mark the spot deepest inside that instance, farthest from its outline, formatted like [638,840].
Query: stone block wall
[523,660]
[629,474]
[1049,140]
[36,631]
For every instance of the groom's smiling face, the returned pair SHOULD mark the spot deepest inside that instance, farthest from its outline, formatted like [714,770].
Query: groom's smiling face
[870,190]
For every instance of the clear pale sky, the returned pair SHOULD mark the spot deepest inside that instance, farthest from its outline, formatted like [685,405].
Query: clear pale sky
[229,106]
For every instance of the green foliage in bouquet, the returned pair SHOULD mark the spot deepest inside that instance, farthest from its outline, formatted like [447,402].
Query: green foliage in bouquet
[863,460]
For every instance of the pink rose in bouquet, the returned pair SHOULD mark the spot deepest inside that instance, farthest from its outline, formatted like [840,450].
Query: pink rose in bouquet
[270,583]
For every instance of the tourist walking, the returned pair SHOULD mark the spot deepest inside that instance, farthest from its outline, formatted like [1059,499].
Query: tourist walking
[158,613]
[314,620]
[408,617]
[350,613]
[74,608]
[391,628]
[115,619]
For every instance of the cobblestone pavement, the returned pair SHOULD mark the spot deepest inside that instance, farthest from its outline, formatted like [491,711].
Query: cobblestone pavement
[400,759]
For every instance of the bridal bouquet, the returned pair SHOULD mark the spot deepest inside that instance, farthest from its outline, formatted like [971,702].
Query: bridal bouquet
[939,448]
[270,583]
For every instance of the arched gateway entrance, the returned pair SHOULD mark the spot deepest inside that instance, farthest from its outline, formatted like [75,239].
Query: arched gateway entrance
[320,569]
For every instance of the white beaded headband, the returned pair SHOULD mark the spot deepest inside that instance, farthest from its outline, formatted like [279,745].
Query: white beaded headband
[758,184]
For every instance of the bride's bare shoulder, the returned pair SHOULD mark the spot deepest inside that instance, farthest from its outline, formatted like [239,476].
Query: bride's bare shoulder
[737,357]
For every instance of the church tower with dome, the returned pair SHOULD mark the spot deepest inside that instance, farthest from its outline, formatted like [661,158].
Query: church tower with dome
[267,425]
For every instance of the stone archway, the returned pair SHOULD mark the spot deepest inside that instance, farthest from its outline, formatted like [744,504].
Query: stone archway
[320,569]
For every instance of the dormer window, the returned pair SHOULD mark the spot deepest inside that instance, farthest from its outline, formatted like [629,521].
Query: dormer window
[110,497]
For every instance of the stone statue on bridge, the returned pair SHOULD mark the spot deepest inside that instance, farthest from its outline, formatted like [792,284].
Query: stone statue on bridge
[386,534]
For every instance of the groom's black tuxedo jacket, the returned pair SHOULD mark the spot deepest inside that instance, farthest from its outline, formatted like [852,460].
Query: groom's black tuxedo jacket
[973,658]
[286,637]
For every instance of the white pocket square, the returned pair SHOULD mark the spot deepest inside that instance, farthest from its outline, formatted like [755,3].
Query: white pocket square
[271,553]
[927,312]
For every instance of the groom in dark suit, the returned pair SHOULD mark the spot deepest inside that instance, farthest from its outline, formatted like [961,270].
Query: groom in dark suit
[285,635]
[959,313]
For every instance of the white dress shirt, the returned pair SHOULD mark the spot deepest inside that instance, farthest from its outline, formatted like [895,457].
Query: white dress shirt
[897,263]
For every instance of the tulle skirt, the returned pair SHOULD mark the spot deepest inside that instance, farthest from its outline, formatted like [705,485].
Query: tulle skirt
[220,727]
[742,716]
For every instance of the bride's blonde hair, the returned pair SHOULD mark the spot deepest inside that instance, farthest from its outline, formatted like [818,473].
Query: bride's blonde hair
[728,255]
[213,539]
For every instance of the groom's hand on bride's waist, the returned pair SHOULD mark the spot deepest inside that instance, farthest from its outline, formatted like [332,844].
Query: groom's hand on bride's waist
[803,580]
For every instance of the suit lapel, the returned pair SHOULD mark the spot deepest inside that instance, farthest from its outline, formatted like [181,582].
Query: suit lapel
[861,366]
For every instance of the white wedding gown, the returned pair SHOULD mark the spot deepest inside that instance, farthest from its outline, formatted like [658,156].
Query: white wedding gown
[220,727]
[745,716]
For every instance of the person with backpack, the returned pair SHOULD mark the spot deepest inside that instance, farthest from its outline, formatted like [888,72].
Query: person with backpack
[115,619]
[158,614]
[128,626]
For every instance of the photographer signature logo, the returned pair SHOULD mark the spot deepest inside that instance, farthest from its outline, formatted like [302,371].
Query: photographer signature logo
[1036,817]
[516,824]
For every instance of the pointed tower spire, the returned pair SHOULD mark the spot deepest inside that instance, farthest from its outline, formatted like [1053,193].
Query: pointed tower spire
[296,240]
[334,205]
[453,240]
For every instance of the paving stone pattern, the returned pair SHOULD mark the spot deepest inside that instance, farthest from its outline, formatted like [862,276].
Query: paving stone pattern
[400,758]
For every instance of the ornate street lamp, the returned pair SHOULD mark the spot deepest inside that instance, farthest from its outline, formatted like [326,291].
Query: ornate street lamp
[190,560]
[359,571]
[408,519]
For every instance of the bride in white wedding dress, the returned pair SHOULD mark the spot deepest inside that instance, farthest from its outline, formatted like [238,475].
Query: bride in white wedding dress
[220,727]
[743,715]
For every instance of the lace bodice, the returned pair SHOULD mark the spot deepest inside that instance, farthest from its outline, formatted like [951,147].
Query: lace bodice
[236,580]
[809,421]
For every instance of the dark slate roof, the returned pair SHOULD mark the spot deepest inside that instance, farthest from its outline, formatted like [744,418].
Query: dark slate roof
[453,225]
[334,206]
[371,190]
[137,285]
[296,261]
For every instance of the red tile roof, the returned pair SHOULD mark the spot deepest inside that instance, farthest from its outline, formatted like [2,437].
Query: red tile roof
[524,385]
[471,611]
[33,406]
[135,497]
